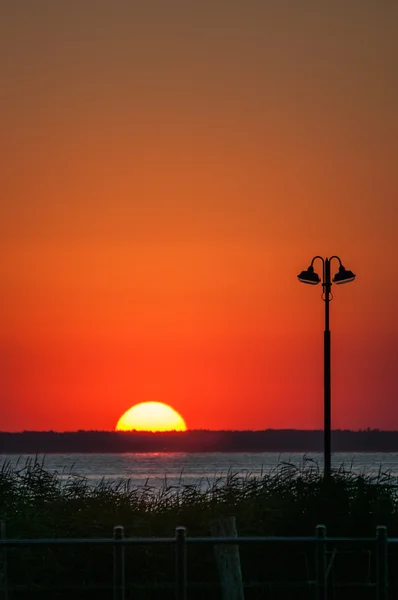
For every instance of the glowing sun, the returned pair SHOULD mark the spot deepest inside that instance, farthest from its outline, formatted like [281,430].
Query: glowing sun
[151,416]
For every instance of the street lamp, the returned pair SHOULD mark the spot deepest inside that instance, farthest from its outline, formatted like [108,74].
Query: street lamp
[310,277]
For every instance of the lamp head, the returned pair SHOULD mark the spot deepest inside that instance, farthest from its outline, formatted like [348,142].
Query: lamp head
[309,276]
[343,276]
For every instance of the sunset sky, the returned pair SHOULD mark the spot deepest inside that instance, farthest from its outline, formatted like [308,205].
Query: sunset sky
[167,169]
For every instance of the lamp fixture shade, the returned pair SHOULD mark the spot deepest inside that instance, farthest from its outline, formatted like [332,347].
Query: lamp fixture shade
[309,276]
[343,276]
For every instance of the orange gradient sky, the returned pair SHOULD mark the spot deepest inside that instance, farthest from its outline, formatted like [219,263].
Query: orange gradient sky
[167,168]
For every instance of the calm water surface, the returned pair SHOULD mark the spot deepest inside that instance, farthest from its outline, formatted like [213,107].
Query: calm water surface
[155,469]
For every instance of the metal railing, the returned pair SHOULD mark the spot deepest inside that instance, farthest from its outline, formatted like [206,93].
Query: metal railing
[320,541]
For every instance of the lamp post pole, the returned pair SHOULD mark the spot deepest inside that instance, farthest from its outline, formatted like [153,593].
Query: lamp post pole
[312,278]
[327,396]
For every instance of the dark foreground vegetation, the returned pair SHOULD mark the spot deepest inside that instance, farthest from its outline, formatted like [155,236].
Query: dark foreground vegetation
[286,502]
[269,440]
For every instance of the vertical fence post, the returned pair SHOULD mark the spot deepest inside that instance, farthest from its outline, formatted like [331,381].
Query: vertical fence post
[181,563]
[118,564]
[382,562]
[228,558]
[3,563]
[320,563]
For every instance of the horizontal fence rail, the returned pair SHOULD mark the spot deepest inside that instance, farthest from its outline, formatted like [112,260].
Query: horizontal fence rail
[320,541]
[136,541]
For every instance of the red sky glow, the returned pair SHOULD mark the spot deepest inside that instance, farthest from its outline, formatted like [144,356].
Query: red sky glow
[168,168]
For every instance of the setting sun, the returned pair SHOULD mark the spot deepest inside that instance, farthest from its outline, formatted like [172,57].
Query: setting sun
[151,416]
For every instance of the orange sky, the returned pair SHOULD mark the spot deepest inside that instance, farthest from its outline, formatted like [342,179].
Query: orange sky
[167,168]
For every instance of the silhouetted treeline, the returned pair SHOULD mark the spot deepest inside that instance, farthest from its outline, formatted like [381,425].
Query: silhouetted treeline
[269,440]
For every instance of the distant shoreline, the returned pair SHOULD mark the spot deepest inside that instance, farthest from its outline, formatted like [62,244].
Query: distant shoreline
[195,441]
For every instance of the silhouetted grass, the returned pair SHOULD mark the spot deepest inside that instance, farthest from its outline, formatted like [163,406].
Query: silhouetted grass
[287,501]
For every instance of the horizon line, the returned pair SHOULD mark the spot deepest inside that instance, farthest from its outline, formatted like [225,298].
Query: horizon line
[287,429]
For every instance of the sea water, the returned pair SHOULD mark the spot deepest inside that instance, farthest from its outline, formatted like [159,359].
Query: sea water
[180,468]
